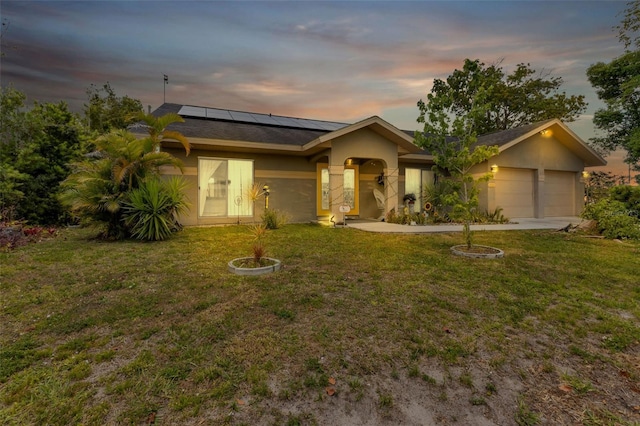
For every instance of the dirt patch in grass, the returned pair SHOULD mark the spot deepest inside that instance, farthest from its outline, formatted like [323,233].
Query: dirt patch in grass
[356,329]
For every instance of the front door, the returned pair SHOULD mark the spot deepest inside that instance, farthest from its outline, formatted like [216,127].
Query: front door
[349,185]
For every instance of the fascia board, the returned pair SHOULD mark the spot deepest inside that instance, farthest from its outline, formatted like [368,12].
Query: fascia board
[259,146]
[590,152]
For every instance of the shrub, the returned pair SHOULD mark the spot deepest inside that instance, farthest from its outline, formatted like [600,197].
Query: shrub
[437,194]
[495,216]
[16,233]
[152,210]
[629,195]
[614,219]
[273,219]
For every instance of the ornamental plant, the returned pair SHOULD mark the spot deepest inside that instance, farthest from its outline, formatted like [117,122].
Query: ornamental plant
[114,189]
[152,211]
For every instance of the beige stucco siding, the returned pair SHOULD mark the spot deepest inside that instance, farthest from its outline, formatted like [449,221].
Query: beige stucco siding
[291,180]
[541,153]
[537,177]
[364,143]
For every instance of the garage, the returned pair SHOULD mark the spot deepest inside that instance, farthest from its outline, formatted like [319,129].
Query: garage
[559,188]
[514,192]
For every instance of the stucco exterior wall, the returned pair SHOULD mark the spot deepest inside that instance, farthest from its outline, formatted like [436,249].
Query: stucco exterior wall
[291,180]
[365,144]
[537,154]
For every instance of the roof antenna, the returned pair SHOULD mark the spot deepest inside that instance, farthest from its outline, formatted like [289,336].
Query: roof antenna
[164,88]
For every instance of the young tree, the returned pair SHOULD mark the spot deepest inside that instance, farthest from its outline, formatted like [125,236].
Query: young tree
[99,190]
[522,97]
[454,149]
[617,83]
[106,111]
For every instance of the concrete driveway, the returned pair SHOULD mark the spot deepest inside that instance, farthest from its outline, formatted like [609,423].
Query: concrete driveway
[516,224]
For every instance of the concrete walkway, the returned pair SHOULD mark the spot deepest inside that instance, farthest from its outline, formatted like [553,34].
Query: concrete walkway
[516,224]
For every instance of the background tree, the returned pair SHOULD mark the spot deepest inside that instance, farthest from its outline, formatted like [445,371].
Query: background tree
[522,97]
[629,28]
[35,150]
[454,149]
[617,83]
[14,132]
[598,184]
[106,111]
[117,187]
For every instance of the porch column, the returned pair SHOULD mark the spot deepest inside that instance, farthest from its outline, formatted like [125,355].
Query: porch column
[391,189]
[580,194]
[336,191]
[490,194]
[538,194]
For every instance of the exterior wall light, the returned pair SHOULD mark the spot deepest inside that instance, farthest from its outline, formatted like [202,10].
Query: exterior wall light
[349,162]
[265,191]
[585,174]
[494,168]
[545,133]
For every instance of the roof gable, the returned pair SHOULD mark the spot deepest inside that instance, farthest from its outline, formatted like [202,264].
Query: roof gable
[557,129]
[378,125]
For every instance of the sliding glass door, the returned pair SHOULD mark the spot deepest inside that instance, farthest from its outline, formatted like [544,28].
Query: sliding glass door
[222,187]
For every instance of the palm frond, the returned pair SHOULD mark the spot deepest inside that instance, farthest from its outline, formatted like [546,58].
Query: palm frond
[156,159]
[177,136]
[167,119]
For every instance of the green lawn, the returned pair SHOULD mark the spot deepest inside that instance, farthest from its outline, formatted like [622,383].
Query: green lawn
[357,328]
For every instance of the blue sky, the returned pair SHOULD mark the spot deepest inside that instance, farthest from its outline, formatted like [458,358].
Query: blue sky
[340,61]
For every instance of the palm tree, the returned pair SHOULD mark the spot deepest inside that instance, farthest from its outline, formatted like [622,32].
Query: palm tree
[101,184]
[158,133]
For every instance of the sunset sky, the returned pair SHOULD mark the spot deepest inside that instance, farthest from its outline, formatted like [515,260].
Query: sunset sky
[339,61]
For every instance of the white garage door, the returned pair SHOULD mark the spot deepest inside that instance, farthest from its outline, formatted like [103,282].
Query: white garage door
[514,192]
[559,197]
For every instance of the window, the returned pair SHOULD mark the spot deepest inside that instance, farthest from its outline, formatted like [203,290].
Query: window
[324,186]
[350,188]
[415,181]
[222,187]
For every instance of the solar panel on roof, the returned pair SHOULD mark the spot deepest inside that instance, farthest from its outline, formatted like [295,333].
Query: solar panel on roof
[264,119]
[333,126]
[322,125]
[192,111]
[242,116]
[221,114]
[285,121]
[247,117]
[316,124]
